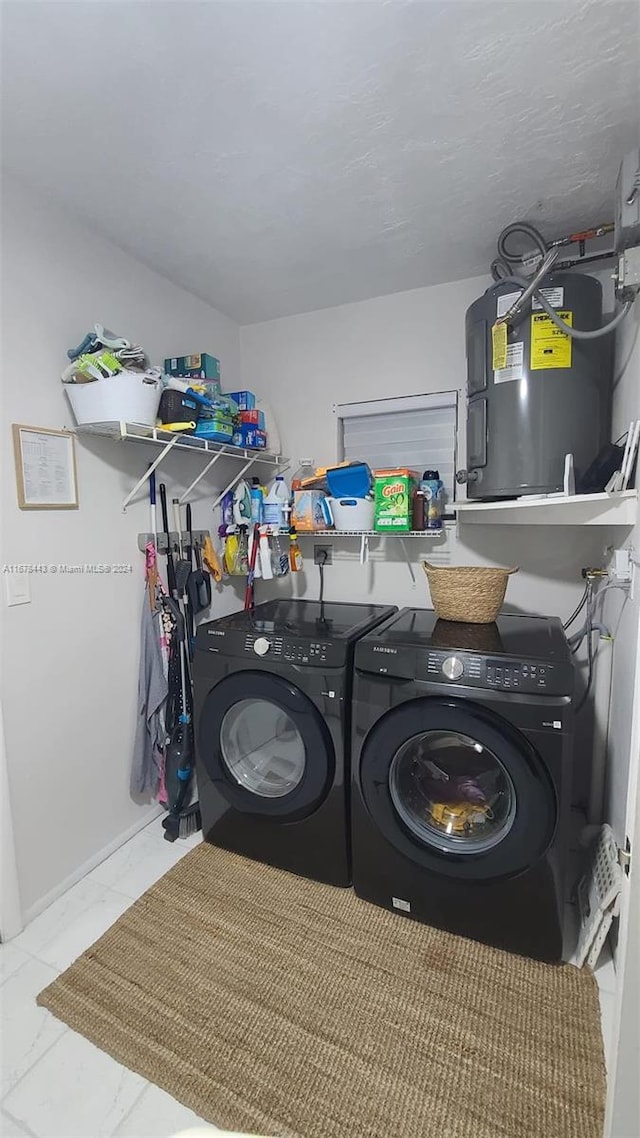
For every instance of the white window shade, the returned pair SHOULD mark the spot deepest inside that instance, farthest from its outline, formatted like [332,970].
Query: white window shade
[418,432]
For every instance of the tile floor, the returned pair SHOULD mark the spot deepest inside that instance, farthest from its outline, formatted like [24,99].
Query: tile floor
[55,1084]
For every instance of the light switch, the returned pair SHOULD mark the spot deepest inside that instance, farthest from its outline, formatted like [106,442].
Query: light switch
[17,589]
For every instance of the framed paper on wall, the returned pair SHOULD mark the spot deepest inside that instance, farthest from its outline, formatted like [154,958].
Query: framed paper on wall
[46,475]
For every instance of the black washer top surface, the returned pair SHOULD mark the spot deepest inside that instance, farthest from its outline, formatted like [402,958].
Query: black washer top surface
[332,620]
[524,637]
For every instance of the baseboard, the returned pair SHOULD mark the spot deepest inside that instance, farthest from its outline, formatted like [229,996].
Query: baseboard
[43,903]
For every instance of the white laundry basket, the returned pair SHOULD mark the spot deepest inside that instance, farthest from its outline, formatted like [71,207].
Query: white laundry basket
[130,397]
[351,513]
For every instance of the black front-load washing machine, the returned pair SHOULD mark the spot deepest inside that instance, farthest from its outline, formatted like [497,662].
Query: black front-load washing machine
[272,696]
[461,776]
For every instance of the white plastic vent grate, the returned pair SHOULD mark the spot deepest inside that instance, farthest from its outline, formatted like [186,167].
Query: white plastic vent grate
[598,893]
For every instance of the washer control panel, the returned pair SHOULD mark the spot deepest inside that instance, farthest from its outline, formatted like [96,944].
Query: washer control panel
[267,645]
[264,645]
[305,652]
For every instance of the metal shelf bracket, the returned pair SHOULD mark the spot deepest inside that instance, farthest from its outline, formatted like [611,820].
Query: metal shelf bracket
[200,476]
[148,472]
[234,481]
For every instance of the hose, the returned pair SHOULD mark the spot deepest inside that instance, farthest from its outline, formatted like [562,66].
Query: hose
[531,287]
[589,622]
[502,270]
[578,609]
[511,259]
[575,333]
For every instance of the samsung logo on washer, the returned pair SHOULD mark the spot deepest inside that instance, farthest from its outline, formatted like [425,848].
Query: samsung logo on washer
[389,651]
[215,632]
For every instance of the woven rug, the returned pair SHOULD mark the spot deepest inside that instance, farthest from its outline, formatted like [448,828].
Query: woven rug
[272,1004]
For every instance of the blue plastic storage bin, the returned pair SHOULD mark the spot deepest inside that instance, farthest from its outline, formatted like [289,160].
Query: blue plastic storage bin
[214,431]
[354,481]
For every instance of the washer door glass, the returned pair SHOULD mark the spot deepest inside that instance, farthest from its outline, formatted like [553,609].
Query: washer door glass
[452,792]
[262,748]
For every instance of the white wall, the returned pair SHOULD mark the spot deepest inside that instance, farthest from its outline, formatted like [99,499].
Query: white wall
[401,344]
[621,615]
[70,658]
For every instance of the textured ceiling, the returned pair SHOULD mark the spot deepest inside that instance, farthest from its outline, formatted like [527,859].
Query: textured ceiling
[276,157]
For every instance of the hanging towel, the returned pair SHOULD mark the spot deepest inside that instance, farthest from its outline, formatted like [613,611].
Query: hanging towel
[152,693]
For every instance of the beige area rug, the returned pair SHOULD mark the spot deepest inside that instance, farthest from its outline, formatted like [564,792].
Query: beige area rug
[276,1005]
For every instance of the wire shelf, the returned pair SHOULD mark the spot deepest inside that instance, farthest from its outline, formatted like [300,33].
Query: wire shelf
[135,432]
[428,534]
[168,441]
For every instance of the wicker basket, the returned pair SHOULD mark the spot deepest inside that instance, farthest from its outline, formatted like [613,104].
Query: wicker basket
[467,592]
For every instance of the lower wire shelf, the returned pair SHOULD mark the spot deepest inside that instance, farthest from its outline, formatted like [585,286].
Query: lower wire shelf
[428,534]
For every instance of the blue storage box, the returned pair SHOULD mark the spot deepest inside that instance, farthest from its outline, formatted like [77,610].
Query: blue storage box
[246,400]
[353,481]
[218,430]
[250,437]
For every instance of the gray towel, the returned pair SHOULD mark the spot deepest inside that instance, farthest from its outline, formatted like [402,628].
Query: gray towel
[152,693]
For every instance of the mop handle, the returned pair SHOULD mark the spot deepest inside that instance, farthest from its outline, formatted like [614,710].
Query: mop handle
[171,576]
[152,506]
[177,521]
[248,596]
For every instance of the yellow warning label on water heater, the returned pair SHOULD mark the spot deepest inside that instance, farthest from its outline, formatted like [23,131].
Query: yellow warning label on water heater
[499,344]
[549,346]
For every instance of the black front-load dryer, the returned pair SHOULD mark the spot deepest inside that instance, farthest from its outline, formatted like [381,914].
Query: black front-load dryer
[461,776]
[272,694]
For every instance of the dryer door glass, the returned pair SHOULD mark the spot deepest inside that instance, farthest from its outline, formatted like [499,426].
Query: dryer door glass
[262,748]
[452,792]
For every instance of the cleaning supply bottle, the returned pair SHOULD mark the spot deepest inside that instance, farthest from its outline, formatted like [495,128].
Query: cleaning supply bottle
[432,486]
[279,559]
[295,553]
[276,503]
[242,504]
[417,513]
[257,498]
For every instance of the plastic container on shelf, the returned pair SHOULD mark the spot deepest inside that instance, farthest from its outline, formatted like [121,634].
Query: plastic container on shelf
[275,505]
[215,430]
[432,487]
[178,407]
[257,499]
[129,397]
[351,513]
[417,519]
[352,481]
